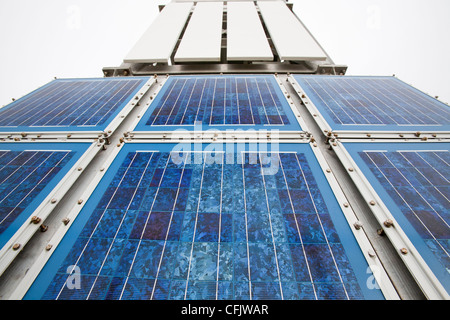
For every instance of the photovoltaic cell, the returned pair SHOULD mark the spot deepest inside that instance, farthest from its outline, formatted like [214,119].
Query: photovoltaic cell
[413,180]
[374,103]
[261,226]
[253,101]
[28,172]
[75,104]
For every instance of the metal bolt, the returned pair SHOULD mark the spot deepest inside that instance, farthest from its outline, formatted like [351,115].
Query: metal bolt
[53,200]
[66,221]
[80,201]
[35,220]
[43,228]
[358,225]
[350,169]
[80,168]
[345,204]
[328,170]
[388,223]
[380,232]
[49,247]
[404,250]
[16,246]
[372,203]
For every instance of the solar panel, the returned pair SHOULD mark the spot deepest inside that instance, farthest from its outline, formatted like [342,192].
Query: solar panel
[372,104]
[212,223]
[28,173]
[70,104]
[412,179]
[234,102]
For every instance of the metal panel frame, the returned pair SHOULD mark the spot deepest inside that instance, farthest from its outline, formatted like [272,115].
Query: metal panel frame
[26,231]
[376,266]
[423,275]
[363,134]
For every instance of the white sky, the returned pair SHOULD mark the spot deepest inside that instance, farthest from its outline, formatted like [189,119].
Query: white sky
[43,39]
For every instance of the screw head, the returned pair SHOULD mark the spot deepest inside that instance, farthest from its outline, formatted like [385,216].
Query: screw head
[404,250]
[357,225]
[388,223]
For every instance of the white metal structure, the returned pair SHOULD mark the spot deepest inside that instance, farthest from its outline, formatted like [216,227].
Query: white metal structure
[291,39]
[246,39]
[156,46]
[203,35]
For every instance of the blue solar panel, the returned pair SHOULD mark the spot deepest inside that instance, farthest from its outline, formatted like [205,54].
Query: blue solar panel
[70,104]
[248,225]
[253,101]
[28,172]
[413,180]
[374,103]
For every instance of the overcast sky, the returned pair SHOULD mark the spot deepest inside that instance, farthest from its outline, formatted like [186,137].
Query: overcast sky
[43,39]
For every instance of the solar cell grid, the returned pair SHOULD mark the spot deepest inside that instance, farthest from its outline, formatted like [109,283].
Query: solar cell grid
[374,103]
[253,100]
[191,230]
[25,176]
[415,185]
[70,103]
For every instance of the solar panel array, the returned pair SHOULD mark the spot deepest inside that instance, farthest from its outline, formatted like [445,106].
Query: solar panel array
[373,104]
[218,101]
[414,180]
[246,223]
[162,228]
[28,173]
[70,104]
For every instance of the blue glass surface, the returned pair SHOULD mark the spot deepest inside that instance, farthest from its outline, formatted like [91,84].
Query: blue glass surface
[358,103]
[219,226]
[241,101]
[413,180]
[75,104]
[28,172]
